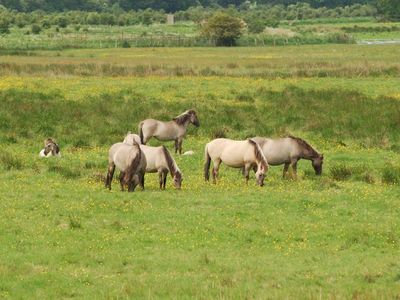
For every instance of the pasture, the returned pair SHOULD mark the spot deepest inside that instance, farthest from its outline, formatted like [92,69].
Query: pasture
[335,236]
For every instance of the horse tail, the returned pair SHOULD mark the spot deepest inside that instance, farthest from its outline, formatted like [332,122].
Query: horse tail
[207,164]
[141,133]
[260,157]
[170,161]
[132,168]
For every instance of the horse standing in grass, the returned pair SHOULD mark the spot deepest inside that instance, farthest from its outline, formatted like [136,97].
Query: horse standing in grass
[289,151]
[160,160]
[51,148]
[236,154]
[167,131]
[130,160]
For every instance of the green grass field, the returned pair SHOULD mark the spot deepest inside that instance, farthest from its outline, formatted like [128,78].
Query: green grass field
[188,34]
[335,236]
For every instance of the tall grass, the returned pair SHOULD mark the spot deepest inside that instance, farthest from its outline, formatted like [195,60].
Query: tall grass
[329,114]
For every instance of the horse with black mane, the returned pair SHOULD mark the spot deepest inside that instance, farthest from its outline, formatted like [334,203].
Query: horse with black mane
[174,130]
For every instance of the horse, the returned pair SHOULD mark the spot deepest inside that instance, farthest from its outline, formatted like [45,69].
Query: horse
[289,150]
[130,160]
[168,131]
[160,160]
[236,154]
[131,138]
[51,148]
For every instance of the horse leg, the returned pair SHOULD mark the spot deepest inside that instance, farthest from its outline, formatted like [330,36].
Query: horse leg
[176,146]
[160,177]
[142,181]
[285,169]
[294,168]
[121,181]
[180,145]
[246,172]
[215,170]
[165,174]
[110,174]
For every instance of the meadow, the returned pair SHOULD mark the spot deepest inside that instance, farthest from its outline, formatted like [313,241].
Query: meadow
[335,236]
[188,34]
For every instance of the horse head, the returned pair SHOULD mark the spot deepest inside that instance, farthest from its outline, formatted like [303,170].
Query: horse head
[178,180]
[193,118]
[50,146]
[317,162]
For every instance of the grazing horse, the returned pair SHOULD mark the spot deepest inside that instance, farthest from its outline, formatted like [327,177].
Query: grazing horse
[51,148]
[131,138]
[168,131]
[289,151]
[236,154]
[160,160]
[130,160]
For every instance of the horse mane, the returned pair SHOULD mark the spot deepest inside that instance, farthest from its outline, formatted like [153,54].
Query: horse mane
[131,170]
[258,153]
[305,145]
[170,161]
[184,117]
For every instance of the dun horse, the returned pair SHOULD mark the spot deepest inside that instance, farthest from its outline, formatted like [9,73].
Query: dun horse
[131,138]
[289,151]
[160,160]
[168,131]
[51,148]
[130,160]
[236,154]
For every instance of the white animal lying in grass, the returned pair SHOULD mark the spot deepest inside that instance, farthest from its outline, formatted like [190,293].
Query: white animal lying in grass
[51,148]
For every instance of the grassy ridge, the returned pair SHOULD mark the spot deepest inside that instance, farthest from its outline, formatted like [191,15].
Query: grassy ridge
[335,236]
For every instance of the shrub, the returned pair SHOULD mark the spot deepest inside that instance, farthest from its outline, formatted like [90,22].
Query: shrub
[36,29]
[340,172]
[10,161]
[256,26]
[62,22]
[391,174]
[125,44]
[223,29]
[4,25]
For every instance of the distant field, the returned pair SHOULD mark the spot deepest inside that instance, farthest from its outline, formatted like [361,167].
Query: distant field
[335,236]
[270,62]
[187,34]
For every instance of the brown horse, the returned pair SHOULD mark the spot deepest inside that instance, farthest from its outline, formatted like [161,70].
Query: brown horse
[174,130]
[289,151]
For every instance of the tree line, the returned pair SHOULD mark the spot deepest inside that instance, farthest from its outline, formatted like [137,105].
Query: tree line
[166,5]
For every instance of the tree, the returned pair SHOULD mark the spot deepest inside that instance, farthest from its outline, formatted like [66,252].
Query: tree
[389,8]
[224,29]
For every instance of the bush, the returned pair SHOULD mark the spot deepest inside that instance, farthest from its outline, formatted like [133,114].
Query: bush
[256,26]
[10,161]
[4,25]
[391,175]
[125,44]
[62,22]
[341,172]
[223,29]
[36,29]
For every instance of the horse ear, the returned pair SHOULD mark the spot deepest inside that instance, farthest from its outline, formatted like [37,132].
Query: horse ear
[322,156]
